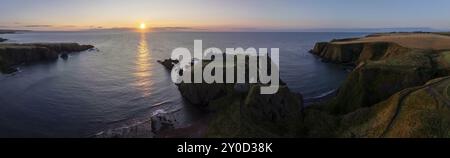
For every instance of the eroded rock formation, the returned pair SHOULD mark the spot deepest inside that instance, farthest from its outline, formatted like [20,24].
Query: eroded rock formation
[239,110]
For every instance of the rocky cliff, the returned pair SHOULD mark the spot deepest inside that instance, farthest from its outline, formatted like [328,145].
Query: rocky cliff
[394,91]
[381,69]
[239,110]
[15,54]
[254,115]
[354,53]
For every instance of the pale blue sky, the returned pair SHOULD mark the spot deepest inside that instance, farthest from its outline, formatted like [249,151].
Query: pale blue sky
[220,14]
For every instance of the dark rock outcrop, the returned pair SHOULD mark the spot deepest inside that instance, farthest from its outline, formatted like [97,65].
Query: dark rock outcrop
[64,56]
[162,121]
[168,63]
[3,40]
[15,54]
[239,110]
[256,115]
[201,94]
[63,47]
[354,53]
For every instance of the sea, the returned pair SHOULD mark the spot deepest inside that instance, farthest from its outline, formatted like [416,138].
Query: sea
[121,82]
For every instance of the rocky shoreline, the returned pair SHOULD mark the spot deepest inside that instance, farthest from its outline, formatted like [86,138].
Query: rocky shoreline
[151,128]
[15,54]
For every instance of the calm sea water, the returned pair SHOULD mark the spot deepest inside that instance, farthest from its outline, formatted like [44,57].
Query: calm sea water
[122,83]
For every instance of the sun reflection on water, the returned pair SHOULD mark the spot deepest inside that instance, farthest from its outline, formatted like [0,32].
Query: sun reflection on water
[143,66]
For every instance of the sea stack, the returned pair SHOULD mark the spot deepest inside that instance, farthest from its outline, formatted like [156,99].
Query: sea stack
[239,110]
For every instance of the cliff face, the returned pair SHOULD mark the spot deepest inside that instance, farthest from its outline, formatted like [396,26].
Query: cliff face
[356,52]
[254,115]
[63,47]
[385,95]
[202,94]
[382,69]
[338,53]
[15,54]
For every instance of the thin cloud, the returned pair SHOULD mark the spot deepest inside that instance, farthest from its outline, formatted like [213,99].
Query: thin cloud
[38,26]
[171,29]
[68,26]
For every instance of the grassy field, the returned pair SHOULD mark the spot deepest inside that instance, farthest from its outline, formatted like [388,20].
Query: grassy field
[435,41]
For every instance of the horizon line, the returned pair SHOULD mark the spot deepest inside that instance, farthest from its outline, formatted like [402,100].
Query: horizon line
[199,29]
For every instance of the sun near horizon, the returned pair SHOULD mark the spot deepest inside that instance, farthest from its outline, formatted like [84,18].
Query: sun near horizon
[142,26]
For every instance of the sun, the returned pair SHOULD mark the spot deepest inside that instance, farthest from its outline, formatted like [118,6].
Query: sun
[142,26]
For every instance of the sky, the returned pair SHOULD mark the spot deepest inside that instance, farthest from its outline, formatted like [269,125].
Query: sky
[239,15]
